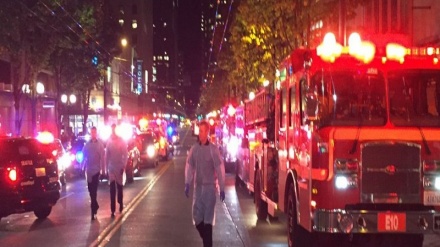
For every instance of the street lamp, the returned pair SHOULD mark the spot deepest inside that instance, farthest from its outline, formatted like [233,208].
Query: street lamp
[34,93]
[124,43]
[68,100]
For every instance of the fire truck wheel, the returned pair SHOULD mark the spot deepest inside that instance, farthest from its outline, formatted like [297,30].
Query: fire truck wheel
[260,205]
[296,235]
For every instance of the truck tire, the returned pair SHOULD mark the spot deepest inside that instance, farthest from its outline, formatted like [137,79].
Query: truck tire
[296,235]
[42,212]
[260,205]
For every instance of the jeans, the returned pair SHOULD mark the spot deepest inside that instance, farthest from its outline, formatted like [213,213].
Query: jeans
[93,191]
[113,186]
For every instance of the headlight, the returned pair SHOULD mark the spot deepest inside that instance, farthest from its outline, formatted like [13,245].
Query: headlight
[343,182]
[64,162]
[232,146]
[151,151]
[431,182]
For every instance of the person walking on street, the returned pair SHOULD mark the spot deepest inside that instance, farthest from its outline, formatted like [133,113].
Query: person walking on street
[205,167]
[116,158]
[93,162]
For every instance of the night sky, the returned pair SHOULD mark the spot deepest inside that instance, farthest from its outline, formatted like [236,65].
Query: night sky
[189,43]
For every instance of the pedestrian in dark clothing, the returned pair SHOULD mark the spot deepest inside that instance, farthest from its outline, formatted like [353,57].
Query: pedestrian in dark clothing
[205,166]
[116,158]
[93,162]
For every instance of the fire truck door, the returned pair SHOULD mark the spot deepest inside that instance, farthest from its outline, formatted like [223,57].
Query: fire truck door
[304,187]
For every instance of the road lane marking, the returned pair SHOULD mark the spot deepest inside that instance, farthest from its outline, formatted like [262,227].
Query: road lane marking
[229,216]
[106,235]
[67,195]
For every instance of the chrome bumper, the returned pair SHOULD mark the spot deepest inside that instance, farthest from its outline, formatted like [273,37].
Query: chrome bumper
[367,221]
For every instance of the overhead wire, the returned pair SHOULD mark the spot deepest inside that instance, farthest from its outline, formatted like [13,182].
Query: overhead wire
[100,49]
[212,39]
[222,37]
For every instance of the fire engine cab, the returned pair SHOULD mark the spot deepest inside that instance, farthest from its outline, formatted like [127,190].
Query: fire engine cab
[347,142]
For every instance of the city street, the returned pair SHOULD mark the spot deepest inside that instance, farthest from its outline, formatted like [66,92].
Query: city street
[156,213]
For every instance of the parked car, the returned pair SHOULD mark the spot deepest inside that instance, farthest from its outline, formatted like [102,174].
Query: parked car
[133,168]
[29,177]
[63,160]
[148,146]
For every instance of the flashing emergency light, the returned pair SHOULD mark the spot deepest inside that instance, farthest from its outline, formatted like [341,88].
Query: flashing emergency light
[396,52]
[170,130]
[251,95]
[329,49]
[105,132]
[64,162]
[79,157]
[231,110]
[159,121]
[45,137]
[354,43]
[125,131]
[211,121]
[143,123]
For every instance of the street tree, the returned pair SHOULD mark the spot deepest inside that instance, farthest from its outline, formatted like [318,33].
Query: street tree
[263,33]
[27,41]
[90,42]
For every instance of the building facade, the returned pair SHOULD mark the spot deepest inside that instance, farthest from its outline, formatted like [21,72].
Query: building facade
[129,78]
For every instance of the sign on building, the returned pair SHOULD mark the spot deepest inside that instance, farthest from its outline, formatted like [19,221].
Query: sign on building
[139,77]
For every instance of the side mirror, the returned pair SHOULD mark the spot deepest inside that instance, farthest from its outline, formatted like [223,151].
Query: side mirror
[311,107]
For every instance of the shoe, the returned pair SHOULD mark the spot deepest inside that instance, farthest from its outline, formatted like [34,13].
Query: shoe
[121,207]
[113,214]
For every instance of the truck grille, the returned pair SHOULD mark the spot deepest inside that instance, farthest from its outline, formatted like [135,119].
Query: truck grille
[390,173]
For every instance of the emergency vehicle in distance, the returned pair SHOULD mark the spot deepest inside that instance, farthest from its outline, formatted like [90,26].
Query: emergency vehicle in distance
[157,126]
[230,131]
[347,142]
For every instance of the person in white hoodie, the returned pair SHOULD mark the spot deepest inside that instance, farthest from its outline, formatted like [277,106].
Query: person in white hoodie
[205,168]
[116,155]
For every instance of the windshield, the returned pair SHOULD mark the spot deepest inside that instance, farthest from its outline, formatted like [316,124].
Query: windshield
[350,98]
[147,139]
[414,97]
[17,148]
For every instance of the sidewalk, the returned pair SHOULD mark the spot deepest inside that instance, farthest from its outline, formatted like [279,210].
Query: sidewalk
[163,217]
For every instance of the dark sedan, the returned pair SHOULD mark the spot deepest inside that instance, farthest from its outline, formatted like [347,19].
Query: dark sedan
[29,174]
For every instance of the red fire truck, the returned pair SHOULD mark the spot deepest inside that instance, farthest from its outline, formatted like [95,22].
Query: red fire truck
[347,143]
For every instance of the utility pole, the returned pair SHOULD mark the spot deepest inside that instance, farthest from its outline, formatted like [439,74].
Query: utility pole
[105,101]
